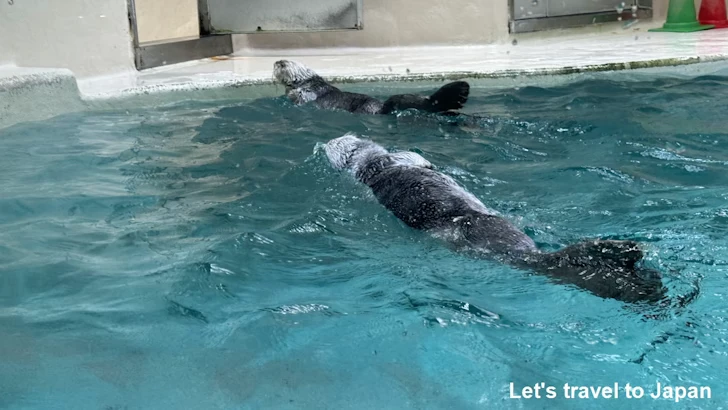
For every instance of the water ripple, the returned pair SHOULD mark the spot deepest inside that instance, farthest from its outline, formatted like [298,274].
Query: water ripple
[209,246]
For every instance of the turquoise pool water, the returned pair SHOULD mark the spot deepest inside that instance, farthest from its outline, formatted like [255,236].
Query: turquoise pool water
[205,256]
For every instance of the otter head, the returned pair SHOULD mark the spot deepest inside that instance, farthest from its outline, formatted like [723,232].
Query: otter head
[351,152]
[365,158]
[292,74]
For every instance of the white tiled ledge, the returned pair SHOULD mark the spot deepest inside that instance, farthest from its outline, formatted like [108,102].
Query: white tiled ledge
[30,94]
[617,49]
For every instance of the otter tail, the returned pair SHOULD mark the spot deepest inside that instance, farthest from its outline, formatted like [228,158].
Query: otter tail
[607,268]
[623,254]
[451,96]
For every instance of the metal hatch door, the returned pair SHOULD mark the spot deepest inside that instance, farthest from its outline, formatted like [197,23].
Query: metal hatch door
[572,7]
[537,15]
[251,16]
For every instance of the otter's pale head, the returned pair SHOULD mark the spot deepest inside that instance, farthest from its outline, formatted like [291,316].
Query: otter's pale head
[351,152]
[292,74]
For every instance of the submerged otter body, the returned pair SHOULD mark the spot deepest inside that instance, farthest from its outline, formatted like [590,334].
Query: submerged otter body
[408,186]
[303,86]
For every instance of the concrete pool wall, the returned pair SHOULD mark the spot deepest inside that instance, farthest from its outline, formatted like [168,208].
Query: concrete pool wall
[88,37]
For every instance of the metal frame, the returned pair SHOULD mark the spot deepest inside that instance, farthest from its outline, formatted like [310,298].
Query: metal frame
[160,53]
[156,54]
[206,25]
[578,20]
[204,13]
[360,15]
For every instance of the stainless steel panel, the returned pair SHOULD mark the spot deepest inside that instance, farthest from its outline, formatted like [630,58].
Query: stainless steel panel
[529,9]
[574,7]
[580,20]
[250,16]
[157,54]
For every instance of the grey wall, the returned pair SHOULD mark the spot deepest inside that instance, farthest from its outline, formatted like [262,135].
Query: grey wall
[89,37]
[390,23]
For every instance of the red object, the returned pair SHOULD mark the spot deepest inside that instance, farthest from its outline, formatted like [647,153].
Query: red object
[713,12]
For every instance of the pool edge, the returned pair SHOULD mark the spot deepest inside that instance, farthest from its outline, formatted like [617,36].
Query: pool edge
[33,94]
[242,82]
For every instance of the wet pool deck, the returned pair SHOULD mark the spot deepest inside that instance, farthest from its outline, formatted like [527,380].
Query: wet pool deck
[613,47]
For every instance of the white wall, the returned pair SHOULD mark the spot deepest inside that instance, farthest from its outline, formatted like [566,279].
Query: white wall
[5,52]
[89,37]
[392,23]
[402,23]
[5,56]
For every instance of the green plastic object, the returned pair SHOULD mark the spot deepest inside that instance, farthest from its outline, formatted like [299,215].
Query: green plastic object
[681,18]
